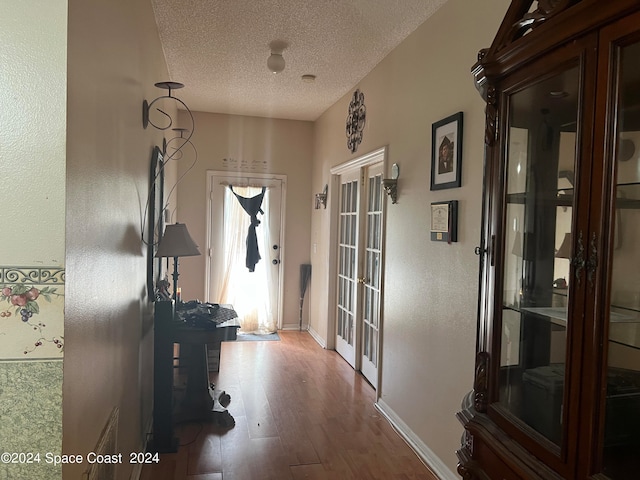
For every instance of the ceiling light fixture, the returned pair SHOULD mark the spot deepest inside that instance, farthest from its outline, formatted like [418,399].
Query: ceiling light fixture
[275,62]
[308,78]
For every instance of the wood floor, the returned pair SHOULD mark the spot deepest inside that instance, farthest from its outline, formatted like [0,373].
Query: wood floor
[301,413]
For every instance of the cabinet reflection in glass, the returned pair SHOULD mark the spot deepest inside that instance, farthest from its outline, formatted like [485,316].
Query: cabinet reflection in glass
[538,248]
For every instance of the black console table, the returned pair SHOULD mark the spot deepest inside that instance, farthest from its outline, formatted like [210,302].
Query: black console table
[199,403]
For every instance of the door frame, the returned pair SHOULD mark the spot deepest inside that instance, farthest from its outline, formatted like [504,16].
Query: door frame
[219,176]
[379,155]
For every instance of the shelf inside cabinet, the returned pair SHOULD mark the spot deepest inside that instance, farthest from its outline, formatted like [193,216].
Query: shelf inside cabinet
[628,197]
[624,322]
[559,314]
[564,199]
[626,332]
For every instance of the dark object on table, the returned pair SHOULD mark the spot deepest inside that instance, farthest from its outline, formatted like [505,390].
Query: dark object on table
[162,291]
[204,315]
[560,283]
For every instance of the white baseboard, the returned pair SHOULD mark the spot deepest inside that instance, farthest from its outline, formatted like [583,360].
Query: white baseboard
[312,332]
[429,458]
[292,327]
[317,337]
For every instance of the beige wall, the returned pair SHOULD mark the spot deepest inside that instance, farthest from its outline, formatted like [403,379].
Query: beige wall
[114,58]
[32,130]
[286,146]
[33,34]
[430,297]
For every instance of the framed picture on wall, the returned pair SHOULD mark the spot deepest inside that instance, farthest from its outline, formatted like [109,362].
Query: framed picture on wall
[155,219]
[444,221]
[446,152]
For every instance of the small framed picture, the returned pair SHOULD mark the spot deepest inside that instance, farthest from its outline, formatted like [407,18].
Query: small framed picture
[446,152]
[444,221]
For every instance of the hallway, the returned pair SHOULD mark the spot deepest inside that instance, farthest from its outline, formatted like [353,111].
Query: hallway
[301,413]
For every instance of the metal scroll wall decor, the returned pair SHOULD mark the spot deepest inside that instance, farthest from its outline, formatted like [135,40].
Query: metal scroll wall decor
[356,120]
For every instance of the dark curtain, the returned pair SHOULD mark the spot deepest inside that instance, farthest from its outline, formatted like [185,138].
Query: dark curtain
[252,206]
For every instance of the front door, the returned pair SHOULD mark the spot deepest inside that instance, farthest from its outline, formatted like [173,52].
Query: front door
[255,295]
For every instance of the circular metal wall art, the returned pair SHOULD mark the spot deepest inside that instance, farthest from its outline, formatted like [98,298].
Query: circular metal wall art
[356,120]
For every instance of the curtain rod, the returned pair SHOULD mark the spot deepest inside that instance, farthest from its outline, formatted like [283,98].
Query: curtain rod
[227,184]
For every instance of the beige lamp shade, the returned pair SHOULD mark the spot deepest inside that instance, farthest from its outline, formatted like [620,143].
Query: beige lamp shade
[524,246]
[517,245]
[565,248]
[176,242]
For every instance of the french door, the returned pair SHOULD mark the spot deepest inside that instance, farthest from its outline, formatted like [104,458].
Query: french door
[347,266]
[359,269]
[371,279]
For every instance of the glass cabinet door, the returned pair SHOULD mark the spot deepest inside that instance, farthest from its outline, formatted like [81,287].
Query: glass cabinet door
[621,442]
[539,242]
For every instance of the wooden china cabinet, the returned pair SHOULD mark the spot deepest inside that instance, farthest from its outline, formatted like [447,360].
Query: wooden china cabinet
[556,393]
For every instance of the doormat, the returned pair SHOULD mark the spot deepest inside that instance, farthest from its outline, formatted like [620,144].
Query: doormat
[252,337]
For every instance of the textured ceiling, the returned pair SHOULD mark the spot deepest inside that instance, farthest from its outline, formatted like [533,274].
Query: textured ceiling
[219,50]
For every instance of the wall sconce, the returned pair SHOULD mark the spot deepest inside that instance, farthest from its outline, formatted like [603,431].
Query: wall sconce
[321,198]
[146,116]
[175,145]
[390,185]
[183,135]
[146,107]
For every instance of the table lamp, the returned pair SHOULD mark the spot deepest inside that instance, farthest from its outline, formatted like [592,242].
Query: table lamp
[176,242]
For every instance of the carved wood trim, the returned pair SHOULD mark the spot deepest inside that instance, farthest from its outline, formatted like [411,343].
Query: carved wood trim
[481,382]
[526,20]
[466,473]
[559,20]
[482,53]
[511,453]
[515,12]
[465,462]
[491,114]
[467,441]
[546,9]
[468,468]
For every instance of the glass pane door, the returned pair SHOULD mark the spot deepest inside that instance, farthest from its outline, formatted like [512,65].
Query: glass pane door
[622,411]
[539,242]
[347,267]
[372,275]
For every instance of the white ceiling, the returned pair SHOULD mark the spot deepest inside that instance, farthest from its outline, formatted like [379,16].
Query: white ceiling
[219,50]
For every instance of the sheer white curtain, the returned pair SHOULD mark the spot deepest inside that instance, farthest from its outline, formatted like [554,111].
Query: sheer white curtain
[248,292]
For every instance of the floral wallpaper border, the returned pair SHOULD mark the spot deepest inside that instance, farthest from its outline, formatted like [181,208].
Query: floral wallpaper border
[31,313]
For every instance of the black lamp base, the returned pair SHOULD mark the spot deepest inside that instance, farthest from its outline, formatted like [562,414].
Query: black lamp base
[175,276]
